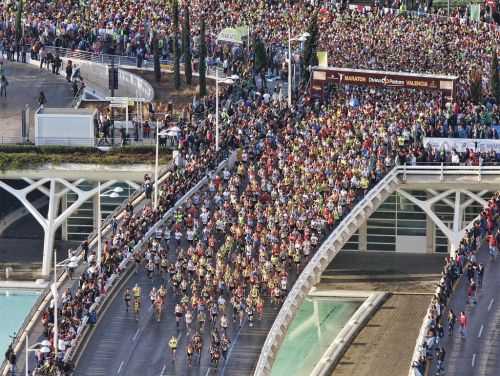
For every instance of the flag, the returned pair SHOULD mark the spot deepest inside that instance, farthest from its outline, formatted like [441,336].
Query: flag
[322,58]
[475,12]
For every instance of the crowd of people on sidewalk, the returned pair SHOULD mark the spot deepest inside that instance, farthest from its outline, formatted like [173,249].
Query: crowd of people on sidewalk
[441,318]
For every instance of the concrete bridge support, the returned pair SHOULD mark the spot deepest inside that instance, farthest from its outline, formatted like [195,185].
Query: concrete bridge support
[55,189]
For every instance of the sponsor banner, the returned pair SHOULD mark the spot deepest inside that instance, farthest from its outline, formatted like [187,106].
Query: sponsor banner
[463,144]
[385,79]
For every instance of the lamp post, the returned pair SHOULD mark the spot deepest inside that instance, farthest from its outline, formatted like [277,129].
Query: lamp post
[228,81]
[113,193]
[155,199]
[301,38]
[44,348]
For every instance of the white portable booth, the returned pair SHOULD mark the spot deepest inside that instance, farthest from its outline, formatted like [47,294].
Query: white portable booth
[65,126]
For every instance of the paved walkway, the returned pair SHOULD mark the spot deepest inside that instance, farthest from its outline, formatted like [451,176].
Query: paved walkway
[25,83]
[385,345]
[479,353]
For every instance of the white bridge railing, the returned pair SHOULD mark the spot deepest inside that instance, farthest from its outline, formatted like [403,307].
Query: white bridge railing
[397,177]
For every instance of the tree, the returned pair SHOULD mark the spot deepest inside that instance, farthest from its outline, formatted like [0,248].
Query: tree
[177,55]
[310,58]
[156,57]
[475,85]
[186,46]
[495,77]
[260,56]
[202,68]
[19,26]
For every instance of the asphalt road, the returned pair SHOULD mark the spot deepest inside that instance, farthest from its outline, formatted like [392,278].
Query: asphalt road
[123,346]
[479,353]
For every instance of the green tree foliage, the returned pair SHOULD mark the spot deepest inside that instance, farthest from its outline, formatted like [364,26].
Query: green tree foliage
[260,56]
[476,93]
[19,26]
[495,77]
[186,46]
[177,55]
[156,58]
[311,44]
[202,61]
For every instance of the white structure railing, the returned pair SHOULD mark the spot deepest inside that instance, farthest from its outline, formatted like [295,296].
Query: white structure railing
[421,176]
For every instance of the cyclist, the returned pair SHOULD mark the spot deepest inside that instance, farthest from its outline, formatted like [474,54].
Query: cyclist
[173,346]
[127,297]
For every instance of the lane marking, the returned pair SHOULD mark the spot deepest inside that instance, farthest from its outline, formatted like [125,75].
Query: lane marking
[208,371]
[480,331]
[236,338]
[491,304]
[163,369]
[473,359]
[120,368]
[136,334]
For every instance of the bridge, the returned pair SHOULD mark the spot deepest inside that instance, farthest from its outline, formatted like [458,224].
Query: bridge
[64,179]
[254,349]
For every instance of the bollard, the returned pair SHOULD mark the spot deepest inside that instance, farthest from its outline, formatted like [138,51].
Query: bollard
[8,271]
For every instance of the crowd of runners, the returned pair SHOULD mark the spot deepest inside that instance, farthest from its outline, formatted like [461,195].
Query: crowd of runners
[235,247]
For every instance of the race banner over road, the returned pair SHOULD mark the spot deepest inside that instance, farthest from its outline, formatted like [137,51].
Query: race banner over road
[363,77]
[462,144]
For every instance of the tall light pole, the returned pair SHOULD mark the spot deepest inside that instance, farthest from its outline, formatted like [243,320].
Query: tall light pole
[99,240]
[216,109]
[289,67]
[155,202]
[54,294]
[301,38]
[229,81]
[113,193]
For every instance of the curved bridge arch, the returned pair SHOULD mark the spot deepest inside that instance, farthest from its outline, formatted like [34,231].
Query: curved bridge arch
[455,180]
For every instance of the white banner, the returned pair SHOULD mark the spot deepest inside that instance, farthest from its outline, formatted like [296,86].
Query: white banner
[462,144]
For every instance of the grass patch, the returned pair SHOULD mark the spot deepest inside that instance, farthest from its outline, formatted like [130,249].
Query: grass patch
[23,158]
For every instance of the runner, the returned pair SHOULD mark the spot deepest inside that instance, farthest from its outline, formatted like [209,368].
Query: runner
[127,297]
[172,344]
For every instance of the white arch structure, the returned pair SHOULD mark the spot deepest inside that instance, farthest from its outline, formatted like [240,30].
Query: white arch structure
[57,187]
[440,182]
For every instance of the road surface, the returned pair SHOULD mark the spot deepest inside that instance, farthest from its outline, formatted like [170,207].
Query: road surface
[479,353]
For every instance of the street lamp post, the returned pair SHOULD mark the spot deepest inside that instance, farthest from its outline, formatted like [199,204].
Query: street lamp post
[54,293]
[229,81]
[113,193]
[216,109]
[155,203]
[302,38]
[99,240]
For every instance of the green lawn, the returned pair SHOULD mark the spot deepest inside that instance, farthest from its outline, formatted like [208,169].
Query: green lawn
[14,157]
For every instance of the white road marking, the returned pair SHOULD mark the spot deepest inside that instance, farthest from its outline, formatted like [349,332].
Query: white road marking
[163,369]
[120,368]
[491,304]
[473,359]
[135,335]
[208,371]
[480,331]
